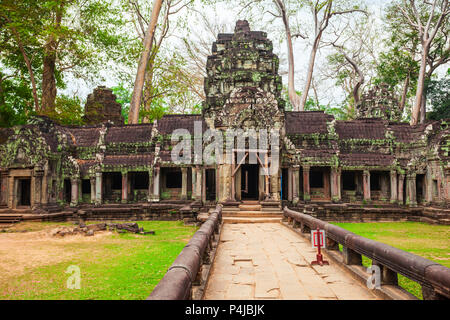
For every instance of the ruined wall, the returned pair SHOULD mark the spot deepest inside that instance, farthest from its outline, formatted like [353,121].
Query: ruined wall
[102,106]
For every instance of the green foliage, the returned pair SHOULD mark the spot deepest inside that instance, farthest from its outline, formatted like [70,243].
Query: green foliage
[68,111]
[16,101]
[126,266]
[438,91]
[123,96]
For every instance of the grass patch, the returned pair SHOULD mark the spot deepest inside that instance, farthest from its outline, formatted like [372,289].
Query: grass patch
[119,266]
[429,241]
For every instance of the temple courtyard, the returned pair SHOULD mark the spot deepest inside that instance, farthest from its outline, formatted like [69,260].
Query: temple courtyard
[128,266]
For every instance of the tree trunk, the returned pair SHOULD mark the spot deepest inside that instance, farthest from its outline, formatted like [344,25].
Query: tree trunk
[423,106]
[49,68]
[133,116]
[48,81]
[293,96]
[312,59]
[415,113]
[404,94]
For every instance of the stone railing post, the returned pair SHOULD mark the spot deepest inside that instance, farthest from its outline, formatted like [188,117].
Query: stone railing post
[351,257]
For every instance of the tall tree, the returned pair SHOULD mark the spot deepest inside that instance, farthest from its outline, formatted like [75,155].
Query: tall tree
[136,97]
[428,18]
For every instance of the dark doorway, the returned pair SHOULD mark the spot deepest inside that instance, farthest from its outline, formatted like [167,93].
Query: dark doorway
[67,191]
[348,180]
[249,182]
[210,184]
[25,192]
[420,188]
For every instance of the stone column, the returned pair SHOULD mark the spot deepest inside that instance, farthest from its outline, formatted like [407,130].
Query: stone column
[124,187]
[38,188]
[194,185]
[4,190]
[306,191]
[401,181]
[74,193]
[92,180]
[290,184]
[203,185]
[98,188]
[366,185]
[335,178]
[295,183]
[411,189]
[198,184]
[156,182]
[44,187]
[11,192]
[394,186]
[184,185]
[429,186]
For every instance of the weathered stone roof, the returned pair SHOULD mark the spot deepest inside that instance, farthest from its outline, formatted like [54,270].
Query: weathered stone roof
[371,129]
[129,134]
[307,122]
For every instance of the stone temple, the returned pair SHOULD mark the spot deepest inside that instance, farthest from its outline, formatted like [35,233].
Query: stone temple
[370,168]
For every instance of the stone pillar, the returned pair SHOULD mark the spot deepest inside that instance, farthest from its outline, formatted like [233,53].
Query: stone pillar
[394,186]
[198,184]
[411,189]
[184,181]
[400,195]
[366,185]
[98,188]
[290,184]
[44,187]
[429,186]
[295,183]
[156,182]
[306,190]
[203,191]
[4,188]
[92,180]
[124,187]
[335,178]
[194,179]
[74,193]
[11,192]
[38,187]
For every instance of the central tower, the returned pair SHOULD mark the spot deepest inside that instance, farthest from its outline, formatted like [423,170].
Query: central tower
[242,85]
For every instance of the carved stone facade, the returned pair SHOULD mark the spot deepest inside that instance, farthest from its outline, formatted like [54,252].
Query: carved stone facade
[379,102]
[369,161]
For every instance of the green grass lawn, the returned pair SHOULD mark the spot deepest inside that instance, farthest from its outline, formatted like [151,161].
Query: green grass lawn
[118,266]
[429,241]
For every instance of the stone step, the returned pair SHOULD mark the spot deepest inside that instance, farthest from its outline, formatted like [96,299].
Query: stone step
[250,207]
[253,202]
[251,220]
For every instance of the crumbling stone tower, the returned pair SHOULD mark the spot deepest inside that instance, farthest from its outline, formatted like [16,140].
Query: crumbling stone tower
[240,60]
[379,102]
[101,106]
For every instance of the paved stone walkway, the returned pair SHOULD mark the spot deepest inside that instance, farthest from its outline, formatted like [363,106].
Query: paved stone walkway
[270,261]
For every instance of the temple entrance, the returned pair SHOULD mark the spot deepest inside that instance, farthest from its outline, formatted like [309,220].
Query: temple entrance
[210,184]
[24,189]
[249,182]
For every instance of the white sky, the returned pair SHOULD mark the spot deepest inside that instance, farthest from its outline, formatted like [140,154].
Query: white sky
[328,92]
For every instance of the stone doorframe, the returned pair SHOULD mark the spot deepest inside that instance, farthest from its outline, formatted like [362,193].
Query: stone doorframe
[263,164]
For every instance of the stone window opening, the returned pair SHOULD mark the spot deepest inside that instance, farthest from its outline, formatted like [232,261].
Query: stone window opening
[86,186]
[140,180]
[435,188]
